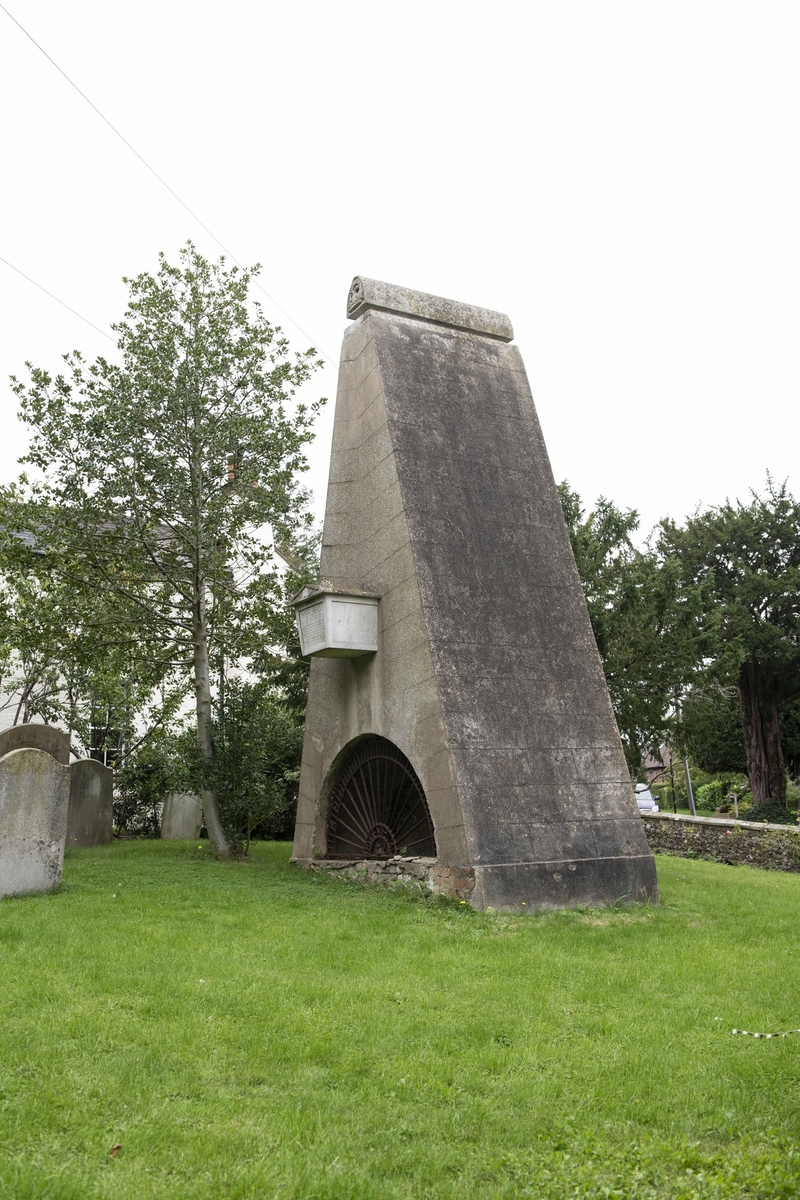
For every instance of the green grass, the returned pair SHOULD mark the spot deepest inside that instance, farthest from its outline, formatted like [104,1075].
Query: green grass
[246,1030]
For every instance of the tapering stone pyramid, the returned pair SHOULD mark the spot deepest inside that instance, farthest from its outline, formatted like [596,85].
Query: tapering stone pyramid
[480,733]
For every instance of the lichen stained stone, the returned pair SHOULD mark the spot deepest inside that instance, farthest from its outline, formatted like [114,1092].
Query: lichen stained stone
[487,678]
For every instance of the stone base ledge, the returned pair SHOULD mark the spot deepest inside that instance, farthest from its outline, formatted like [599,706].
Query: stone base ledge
[455,882]
[719,839]
[512,887]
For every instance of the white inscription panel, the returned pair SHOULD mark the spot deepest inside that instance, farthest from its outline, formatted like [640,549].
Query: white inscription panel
[353,624]
[312,626]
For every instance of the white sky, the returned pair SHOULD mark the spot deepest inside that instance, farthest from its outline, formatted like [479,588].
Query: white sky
[622,179]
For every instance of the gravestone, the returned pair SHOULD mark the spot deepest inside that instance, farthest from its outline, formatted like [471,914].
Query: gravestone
[34,801]
[182,816]
[36,737]
[91,804]
[480,731]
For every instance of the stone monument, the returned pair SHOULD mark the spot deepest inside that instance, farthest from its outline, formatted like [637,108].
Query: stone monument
[34,736]
[475,731]
[34,800]
[181,817]
[90,820]
[91,804]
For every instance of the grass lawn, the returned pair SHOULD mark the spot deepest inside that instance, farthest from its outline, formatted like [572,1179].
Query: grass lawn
[246,1030]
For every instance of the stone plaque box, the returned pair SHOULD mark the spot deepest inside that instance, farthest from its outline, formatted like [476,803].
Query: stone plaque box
[336,624]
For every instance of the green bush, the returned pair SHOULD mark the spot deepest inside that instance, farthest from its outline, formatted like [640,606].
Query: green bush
[709,796]
[161,764]
[713,794]
[793,797]
[257,749]
[771,810]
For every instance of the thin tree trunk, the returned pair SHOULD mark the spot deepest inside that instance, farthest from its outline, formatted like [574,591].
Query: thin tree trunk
[202,684]
[761,726]
[23,704]
[776,764]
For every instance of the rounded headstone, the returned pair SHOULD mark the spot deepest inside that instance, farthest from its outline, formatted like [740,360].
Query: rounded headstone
[34,801]
[91,803]
[182,816]
[32,736]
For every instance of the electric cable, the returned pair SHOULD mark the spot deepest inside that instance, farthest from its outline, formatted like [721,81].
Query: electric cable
[161,180]
[63,304]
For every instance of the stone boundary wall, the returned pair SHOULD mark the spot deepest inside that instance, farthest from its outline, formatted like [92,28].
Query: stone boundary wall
[773,847]
[455,882]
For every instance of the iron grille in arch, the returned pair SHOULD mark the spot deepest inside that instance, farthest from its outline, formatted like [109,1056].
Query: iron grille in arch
[377,807]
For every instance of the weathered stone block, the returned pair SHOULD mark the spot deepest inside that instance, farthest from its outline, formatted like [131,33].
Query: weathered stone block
[457,883]
[91,804]
[487,677]
[181,817]
[34,802]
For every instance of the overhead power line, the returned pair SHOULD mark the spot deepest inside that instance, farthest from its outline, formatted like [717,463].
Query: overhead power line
[74,312]
[161,180]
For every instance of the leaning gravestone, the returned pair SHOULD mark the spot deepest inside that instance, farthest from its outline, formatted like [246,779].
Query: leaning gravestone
[34,801]
[91,804]
[182,816]
[457,709]
[36,737]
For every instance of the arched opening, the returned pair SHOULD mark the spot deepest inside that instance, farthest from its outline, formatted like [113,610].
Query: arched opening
[377,807]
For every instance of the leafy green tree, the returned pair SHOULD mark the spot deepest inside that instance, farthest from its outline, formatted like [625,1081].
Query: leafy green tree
[38,626]
[156,474]
[259,741]
[645,626]
[790,738]
[742,563]
[711,732]
[162,763]
[51,667]
[279,661]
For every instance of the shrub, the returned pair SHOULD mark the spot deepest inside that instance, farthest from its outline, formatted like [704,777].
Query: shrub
[161,764]
[793,797]
[709,796]
[257,749]
[771,810]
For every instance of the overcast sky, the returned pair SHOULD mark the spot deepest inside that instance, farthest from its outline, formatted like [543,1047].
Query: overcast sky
[622,179]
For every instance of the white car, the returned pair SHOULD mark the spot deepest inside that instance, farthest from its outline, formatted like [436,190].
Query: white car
[645,798]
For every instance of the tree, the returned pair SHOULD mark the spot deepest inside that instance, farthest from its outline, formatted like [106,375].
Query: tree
[259,740]
[743,562]
[790,738]
[37,628]
[646,629]
[158,765]
[711,732]
[156,473]
[279,661]
[52,669]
